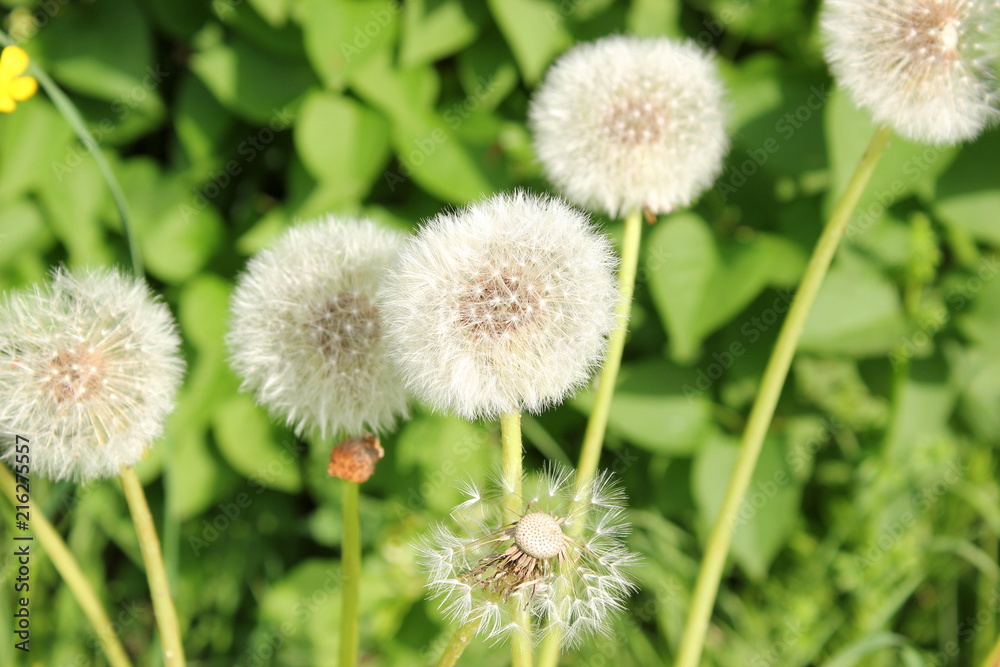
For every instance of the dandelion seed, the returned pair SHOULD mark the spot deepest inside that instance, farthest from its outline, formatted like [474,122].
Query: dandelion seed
[304,333]
[501,307]
[626,122]
[562,560]
[922,67]
[91,369]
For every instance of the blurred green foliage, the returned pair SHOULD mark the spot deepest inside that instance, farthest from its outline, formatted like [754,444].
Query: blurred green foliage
[869,535]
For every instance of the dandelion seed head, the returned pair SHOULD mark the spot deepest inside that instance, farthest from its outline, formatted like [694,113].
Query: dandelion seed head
[628,122]
[921,67]
[573,582]
[91,370]
[305,335]
[503,306]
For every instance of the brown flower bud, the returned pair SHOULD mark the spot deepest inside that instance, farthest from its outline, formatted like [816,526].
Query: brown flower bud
[354,459]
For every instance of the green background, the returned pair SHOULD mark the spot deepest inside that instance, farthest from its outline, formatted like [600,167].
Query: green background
[870,532]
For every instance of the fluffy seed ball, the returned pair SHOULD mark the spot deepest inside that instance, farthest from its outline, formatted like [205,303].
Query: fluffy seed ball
[500,307]
[564,560]
[921,67]
[625,123]
[305,334]
[90,371]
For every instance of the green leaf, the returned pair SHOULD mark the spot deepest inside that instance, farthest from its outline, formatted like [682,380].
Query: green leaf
[194,476]
[657,406]
[681,258]
[981,393]
[86,51]
[73,205]
[201,124]
[968,194]
[37,147]
[177,228]
[487,71]
[447,451]
[856,313]
[258,86]
[535,31]
[769,511]
[340,35]
[342,143]
[21,231]
[245,438]
[654,18]
[698,286]
[400,94]
[435,158]
[275,12]
[430,33]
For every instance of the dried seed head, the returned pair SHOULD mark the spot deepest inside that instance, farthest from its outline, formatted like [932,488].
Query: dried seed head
[489,570]
[920,66]
[539,535]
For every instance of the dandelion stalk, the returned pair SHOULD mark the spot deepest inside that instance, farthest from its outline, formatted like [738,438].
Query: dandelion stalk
[350,548]
[156,574]
[597,424]
[510,437]
[707,585]
[993,659]
[71,573]
[456,645]
[593,438]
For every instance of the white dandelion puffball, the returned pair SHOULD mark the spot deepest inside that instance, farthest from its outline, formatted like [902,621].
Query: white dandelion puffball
[922,67]
[304,331]
[563,559]
[625,123]
[500,307]
[90,371]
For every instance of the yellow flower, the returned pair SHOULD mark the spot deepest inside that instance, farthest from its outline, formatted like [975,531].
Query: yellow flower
[14,87]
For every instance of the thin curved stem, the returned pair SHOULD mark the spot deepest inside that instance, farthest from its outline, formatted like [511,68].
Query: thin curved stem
[71,573]
[707,585]
[456,645]
[75,120]
[156,574]
[510,438]
[593,437]
[351,574]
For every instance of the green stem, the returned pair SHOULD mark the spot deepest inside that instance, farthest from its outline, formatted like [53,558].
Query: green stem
[456,645]
[707,585]
[156,574]
[593,437]
[993,659]
[75,121]
[351,575]
[510,437]
[71,573]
